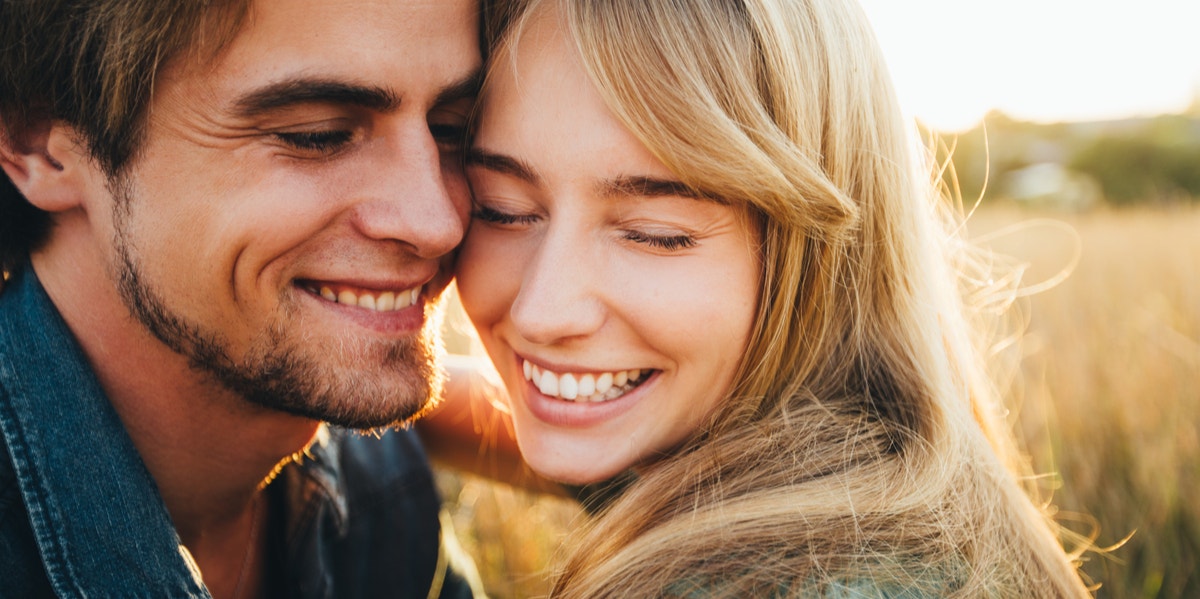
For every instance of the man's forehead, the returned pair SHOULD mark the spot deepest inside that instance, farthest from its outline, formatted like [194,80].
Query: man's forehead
[403,48]
[310,21]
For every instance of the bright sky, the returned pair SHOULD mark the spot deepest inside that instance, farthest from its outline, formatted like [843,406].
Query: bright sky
[1042,60]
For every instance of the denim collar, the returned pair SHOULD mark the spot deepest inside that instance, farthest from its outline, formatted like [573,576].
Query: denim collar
[95,511]
[314,477]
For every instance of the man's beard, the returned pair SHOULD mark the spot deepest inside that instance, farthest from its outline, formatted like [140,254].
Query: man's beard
[394,383]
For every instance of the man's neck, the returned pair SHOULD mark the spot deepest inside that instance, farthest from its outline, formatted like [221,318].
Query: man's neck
[208,450]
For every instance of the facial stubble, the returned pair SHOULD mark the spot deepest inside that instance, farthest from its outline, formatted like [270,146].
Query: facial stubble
[354,383]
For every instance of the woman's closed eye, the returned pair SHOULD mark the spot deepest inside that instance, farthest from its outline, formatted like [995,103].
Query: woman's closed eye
[669,243]
[493,216]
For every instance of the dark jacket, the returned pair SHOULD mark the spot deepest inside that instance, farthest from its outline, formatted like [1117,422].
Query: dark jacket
[80,515]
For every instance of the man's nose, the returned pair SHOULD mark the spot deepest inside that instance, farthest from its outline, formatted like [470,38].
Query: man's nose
[418,196]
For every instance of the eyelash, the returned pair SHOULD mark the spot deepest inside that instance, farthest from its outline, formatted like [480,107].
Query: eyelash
[449,136]
[491,215]
[668,243]
[318,141]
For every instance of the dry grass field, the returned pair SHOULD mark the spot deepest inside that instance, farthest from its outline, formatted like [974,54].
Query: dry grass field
[1107,397]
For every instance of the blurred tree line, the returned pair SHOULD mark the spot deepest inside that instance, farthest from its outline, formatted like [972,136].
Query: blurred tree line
[1123,162]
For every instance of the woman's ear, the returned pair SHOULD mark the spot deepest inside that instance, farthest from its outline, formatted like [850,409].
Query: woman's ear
[48,165]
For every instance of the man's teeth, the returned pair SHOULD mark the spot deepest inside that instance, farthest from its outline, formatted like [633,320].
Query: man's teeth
[590,387]
[384,301]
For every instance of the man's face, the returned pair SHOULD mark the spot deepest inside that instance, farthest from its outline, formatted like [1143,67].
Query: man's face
[288,221]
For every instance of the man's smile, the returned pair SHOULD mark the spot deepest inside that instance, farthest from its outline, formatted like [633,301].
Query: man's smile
[371,299]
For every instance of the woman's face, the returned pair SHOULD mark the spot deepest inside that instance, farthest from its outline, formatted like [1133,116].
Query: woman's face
[615,305]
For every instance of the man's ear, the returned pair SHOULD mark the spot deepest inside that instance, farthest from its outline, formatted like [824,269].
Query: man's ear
[48,165]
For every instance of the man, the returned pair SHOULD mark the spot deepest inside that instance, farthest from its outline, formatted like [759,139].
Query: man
[223,224]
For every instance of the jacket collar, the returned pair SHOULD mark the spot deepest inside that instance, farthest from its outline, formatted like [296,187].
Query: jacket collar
[96,514]
[315,477]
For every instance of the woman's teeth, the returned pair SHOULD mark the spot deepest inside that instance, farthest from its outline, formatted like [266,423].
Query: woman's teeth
[379,301]
[590,387]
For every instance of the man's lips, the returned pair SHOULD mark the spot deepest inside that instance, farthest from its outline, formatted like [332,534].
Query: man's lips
[375,299]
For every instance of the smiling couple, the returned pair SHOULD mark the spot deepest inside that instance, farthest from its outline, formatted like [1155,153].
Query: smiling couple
[698,253]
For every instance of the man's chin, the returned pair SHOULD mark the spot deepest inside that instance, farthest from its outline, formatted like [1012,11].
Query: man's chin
[356,411]
[348,380]
[385,396]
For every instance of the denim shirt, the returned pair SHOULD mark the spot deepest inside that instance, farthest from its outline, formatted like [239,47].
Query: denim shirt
[80,515]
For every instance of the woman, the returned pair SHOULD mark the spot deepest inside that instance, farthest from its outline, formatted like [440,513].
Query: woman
[700,252]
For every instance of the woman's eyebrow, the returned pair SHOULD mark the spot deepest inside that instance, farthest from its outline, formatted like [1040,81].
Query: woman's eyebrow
[641,186]
[503,164]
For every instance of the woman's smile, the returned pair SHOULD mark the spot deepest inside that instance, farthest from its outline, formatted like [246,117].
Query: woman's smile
[585,386]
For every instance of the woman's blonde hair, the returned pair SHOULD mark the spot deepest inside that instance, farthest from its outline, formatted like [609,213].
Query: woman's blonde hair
[862,442]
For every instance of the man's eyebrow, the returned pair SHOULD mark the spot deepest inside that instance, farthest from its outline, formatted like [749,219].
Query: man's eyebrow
[291,92]
[500,163]
[466,88]
[652,187]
